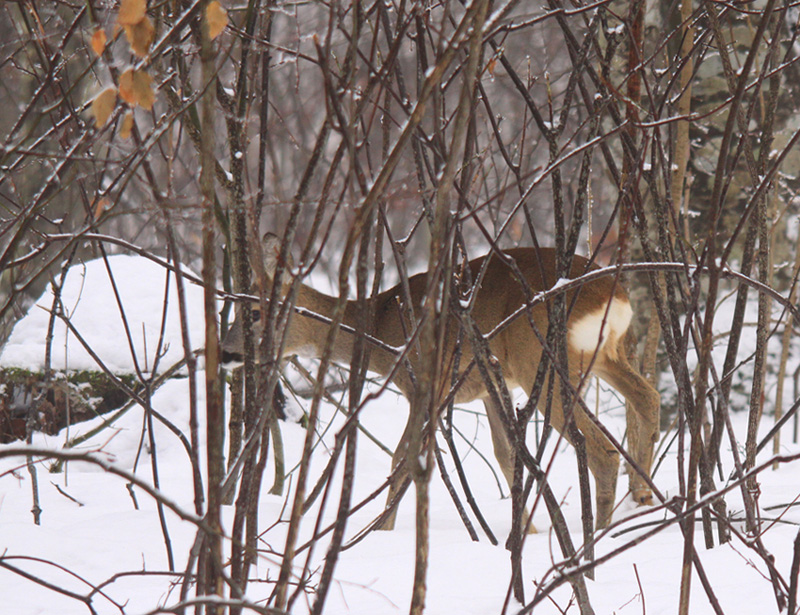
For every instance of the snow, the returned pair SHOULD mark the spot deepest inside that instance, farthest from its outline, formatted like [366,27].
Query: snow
[92,309]
[102,536]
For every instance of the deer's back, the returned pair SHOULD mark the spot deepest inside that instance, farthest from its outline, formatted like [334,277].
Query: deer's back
[500,294]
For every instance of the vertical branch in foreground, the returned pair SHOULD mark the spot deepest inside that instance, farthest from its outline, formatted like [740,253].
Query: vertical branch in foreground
[244,528]
[786,340]
[236,109]
[764,262]
[759,364]
[211,573]
[420,457]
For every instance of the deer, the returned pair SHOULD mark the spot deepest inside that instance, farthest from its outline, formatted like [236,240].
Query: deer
[598,337]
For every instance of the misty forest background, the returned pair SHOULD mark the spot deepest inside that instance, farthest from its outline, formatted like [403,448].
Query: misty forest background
[384,138]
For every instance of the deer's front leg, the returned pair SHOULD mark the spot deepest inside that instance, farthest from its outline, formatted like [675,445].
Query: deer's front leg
[398,483]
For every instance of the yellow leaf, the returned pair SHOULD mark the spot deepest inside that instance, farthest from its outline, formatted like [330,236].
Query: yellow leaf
[143,87]
[98,41]
[103,105]
[126,87]
[136,88]
[217,19]
[100,206]
[141,36]
[131,12]
[127,125]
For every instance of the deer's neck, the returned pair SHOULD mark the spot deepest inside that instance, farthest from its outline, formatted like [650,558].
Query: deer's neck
[308,336]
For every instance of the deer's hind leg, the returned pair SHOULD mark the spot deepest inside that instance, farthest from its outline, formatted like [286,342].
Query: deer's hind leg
[503,451]
[602,456]
[643,409]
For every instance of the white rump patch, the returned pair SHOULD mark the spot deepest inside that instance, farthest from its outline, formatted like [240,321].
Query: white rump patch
[592,332]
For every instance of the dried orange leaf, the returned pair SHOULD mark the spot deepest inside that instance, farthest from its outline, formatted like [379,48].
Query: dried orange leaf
[100,206]
[131,12]
[103,105]
[98,41]
[217,19]
[136,88]
[141,36]
[126,87]
[127,125]
[143,88]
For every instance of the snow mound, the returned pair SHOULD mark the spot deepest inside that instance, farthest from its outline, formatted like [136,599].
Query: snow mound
[90,304]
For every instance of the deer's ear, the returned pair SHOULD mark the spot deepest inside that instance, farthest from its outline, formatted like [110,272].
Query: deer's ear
[271,240]
[271,245]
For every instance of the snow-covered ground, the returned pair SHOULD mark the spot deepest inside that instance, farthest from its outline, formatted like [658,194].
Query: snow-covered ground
[94,533]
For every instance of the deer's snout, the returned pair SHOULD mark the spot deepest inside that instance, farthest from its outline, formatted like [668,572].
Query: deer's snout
[231,359]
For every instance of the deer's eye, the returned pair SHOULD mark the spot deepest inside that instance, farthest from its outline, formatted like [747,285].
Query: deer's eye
[255,315]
